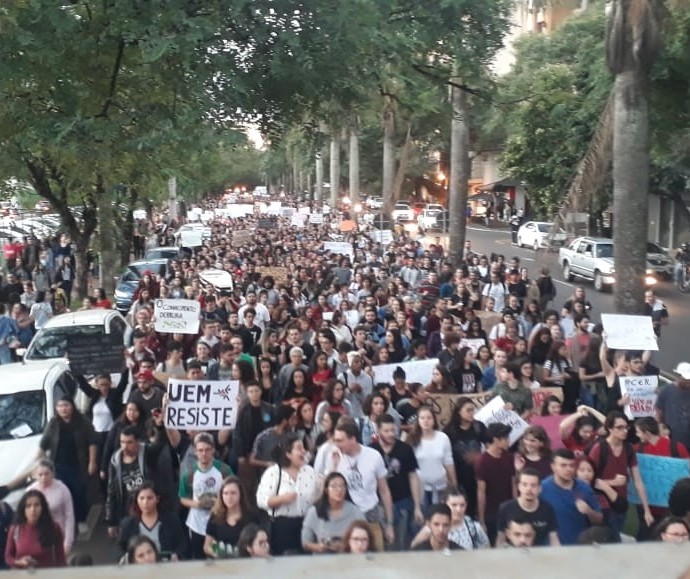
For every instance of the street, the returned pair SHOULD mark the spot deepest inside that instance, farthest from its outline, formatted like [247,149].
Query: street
[673,348]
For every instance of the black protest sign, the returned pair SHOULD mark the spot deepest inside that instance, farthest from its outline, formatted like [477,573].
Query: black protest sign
[95,353]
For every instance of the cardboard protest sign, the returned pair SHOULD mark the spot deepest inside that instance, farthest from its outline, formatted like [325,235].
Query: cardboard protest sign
[279,274]
[95,353]
[414,371]
[539,395]
[472,343]
[289,211]
[659,474]
[176,316]
[339,248]
[445,405]
[494,412]
[347,225]
[488,319]
[625,332]
[552,426]
[203,405]
[240,237]
[642,393]
[237,210]
[382,236]
[266,223]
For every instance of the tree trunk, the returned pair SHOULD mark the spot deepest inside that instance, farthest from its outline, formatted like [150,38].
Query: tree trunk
[354,162]
[630,189]
[108,254]
[402,167]
[318,186]
[459,175]
[388,155]
[335,167]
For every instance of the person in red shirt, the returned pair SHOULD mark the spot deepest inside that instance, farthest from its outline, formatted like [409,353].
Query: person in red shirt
[35,540]
[652,442]
[579,429]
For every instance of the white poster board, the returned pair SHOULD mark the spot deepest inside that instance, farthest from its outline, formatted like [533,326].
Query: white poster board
[414,371]
[495,411]
[473,344]
[203,405]
[382,236]
[237,210]
[176,316]
[352,318]
[642,393]
[297,220]
[339,248]
[316,218]
[625,332]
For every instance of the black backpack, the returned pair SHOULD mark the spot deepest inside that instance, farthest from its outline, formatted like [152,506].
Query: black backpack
[605,450]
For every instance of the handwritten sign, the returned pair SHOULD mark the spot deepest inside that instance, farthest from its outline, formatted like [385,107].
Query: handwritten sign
[552,426]
[95,353]
[316,218]
[177,316]
[625,332]
[642,393]
[237,210]
[445,405]
[473,344]
[207,405]
[339,248]
[279,274]
[494,412]
[414,371]
[659,474]
[539,395]
[382,236]
[297,220]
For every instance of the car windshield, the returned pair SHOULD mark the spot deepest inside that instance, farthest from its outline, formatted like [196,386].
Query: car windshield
[52,342]
[654,248]
[604,250]
[22,414]
[544,227]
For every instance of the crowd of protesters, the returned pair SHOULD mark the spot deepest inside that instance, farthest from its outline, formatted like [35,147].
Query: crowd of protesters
[323,459]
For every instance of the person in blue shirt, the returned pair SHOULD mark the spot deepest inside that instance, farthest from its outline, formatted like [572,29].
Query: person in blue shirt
[573,501]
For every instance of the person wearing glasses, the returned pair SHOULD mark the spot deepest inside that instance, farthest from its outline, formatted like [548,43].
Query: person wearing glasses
[673,530]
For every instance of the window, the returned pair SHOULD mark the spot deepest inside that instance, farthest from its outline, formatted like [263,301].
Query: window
[22,414]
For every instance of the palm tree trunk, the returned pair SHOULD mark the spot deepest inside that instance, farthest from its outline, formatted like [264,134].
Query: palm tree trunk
[335,167]
[459,175]
[318,186]
[354,162]
[630,188]
[388,155]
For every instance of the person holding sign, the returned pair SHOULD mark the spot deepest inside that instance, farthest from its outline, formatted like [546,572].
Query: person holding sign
[517,398]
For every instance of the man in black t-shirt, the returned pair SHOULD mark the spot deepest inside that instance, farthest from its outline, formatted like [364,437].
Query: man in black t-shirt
[403,481]
[438,523]
[527,506]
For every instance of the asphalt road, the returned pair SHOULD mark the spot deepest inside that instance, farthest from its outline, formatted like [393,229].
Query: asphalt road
[674,344]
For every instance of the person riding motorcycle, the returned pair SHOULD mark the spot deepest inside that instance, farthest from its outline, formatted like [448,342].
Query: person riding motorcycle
[682,261]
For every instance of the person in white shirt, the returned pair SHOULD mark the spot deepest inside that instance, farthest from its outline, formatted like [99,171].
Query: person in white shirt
[358,383]
[497,290]
[263,317]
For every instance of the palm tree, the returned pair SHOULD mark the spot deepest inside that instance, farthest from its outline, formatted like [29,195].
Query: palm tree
[632,44]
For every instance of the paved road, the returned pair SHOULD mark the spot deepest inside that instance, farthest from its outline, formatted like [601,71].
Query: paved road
[675,338]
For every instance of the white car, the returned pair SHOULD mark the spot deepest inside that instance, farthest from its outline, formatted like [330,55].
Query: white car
[374,202]
[427,218]
[27,400]
[402,212]
[535,234]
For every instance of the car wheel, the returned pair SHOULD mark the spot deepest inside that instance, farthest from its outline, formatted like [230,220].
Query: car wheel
[598,281]
[567,276]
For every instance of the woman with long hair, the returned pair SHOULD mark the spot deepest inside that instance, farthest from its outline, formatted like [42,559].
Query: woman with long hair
[534,451]
[321,372]
[306,426]
[557,370]
[329,518]
[268,346]
[163,527]
[434,455]
[229,516]
[358,538]
[333,400]
[142,551]
[475,331]
[326,428]
[41,311]
[58,498]
[466,437]
[254,542]
[394,344]
[540,345]
[552,406]
[374,406]
[441,381]
[267,376]
[526,378]
[34,540]
[299,388]
[286,491]
[466,375]
[579,430]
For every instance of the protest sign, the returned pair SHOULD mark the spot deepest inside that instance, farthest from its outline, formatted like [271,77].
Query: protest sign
[552,426]
[473,344]
[659,474]
[488,319]
[495,411]
[95,353]
[204,405]
[177,316]
[347,225]
[445,405]
[297,220]
[328,316]
[625,332]
[382,236]
[289,211]
[316,218]
[352,318]
[274,208]
[539,396]
[304,210]
[237,210]
[339,248]
[266,223]
[414,371]
[240,237]
[642,393]
[279,274]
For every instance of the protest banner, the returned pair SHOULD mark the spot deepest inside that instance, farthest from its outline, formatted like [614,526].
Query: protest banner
[494,411]
[352,318]
[414,371]
[238,210]
[316,218]
[488,319]
[347,225]
[445,405]
[642,393]
[552,426]
[304,210]
[95,353]
[176,316]
[624,332]
[274,208]
[339,248]
[297,220]
[204,405]
[240,237]
[659,474]
[279,274]
[539,395]
[382,236]
[472,343]
[289,211]
[266,223]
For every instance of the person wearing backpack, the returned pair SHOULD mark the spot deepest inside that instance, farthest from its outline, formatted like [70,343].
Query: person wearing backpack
[615,461]
[651,442]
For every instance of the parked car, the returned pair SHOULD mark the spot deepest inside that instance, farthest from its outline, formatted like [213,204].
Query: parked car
[51,340]
[374,202]
[129,280]
[659,260]
[535,234]
[427,218]
[28,393]
[434,207]
[402,212]
[167,253]
[440,222]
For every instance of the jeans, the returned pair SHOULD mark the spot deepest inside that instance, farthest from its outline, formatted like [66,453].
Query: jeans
[74,481]
[404,524]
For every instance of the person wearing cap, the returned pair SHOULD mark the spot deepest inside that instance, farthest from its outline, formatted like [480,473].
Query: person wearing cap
[673,405]
[145,393]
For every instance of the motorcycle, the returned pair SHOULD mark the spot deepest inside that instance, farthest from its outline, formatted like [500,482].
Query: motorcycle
[683,276]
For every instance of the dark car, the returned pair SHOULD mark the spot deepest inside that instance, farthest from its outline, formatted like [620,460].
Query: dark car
[129,280]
